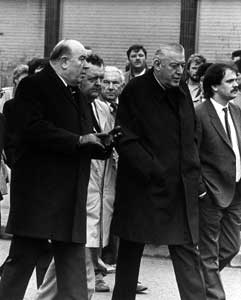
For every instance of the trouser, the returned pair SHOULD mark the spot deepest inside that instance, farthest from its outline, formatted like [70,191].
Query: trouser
[41,265]
[186,263]
[110,252]
[48,289]
[219,241]
[23,255]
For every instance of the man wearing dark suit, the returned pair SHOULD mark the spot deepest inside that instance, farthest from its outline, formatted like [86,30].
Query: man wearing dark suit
[219,136]
[158,176]
[50,172]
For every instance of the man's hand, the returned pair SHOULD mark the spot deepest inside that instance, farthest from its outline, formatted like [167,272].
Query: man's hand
[91,139]
[108,139]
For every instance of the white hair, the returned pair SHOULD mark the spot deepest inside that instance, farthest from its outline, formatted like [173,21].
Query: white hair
[165,50]
[115,69]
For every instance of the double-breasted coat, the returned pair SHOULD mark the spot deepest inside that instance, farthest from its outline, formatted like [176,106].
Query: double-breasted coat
[158,171]
[50,172]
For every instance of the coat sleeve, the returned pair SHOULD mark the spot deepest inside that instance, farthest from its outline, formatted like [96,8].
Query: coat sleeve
[31,125]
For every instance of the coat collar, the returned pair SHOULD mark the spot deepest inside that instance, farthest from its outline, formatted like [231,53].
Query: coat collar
[173,96]
[60,84]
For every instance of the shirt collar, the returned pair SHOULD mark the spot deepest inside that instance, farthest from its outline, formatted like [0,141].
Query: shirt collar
[61,78]
[219,107]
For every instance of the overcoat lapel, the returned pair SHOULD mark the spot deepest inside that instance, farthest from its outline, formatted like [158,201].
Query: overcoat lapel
[217,123]
[99,115]
[160,93]
[60,86]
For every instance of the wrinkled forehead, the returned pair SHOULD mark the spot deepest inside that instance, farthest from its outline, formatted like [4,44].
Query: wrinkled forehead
[179,59]
[112,75]
[79,50]
[91,69]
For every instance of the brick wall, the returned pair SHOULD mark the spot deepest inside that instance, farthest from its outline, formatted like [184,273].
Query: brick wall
[21,34]
[111,26]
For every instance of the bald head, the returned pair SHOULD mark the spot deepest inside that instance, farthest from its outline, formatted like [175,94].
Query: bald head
[65,48]
[68,59]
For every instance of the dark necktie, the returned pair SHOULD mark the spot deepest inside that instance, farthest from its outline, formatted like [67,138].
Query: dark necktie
[225,109]
[113,106]
[95,122]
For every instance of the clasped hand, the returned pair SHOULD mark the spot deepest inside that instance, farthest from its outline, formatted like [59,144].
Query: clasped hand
[103,139]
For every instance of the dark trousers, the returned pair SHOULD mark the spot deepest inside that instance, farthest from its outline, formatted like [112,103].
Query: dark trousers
[41,265]
[110,252]
[23,256]
[186,263]
[219,241]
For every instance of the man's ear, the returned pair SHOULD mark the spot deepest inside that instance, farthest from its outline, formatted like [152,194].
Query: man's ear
[214,88]
[157,63]
[64,62]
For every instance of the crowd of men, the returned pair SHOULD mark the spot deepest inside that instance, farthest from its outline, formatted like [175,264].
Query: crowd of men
[103,162]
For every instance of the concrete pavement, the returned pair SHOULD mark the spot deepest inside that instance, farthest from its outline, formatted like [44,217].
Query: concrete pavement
[156,272]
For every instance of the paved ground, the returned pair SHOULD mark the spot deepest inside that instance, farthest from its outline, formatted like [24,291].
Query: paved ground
[156,273]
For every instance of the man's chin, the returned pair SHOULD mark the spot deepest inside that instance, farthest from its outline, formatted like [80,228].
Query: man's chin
[195,79]
[95,95]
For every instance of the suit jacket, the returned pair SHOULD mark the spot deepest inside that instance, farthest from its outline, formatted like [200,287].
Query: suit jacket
[49,172]
[158,171]
[216,154]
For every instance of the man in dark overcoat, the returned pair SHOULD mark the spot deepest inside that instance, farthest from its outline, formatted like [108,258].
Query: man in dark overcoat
[50,172]
[158,176]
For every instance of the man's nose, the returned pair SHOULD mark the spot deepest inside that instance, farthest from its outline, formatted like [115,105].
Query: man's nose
[98,81]
[235,83]
[84,64]
[180,69]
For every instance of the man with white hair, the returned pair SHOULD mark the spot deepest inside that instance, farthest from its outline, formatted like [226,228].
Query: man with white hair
[54,143]
[158,176]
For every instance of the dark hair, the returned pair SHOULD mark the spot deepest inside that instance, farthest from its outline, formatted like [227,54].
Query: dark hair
[202,69]
[62,48]
[95,59]
[197,58]
[135,48]
[236,53]
[36,63]
[214,75]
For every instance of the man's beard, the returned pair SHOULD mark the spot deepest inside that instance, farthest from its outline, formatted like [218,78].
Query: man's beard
[195,79]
